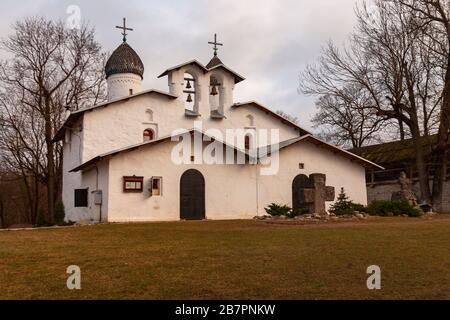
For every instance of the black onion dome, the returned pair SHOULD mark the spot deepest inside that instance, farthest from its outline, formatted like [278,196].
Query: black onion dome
[124,60]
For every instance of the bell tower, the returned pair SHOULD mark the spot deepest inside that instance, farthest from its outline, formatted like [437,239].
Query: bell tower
[124,69]
[220,86]
[206,91]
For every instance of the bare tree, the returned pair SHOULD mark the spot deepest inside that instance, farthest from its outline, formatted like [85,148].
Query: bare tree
[22,142]
[346,118]
[287,116]
[390,59]
[434,17]
[52,68]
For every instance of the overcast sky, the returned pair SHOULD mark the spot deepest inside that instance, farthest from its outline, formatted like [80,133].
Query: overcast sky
[268,42]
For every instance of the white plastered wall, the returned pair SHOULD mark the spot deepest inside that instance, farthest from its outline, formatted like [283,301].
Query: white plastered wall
[340,172]
[121,124]
[229,189]
[95,179]
[119,85]
[72,157]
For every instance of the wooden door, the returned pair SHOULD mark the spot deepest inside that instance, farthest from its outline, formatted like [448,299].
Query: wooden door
[192,193]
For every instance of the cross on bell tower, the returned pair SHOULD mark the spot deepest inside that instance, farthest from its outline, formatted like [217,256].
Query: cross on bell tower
[215,43]
[124,29]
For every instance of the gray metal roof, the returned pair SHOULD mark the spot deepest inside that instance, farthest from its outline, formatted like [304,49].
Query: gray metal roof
[272,113]
[261,152]
[237,77]
[269,149]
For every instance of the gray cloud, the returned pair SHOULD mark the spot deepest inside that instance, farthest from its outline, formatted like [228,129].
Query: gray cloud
[269,42]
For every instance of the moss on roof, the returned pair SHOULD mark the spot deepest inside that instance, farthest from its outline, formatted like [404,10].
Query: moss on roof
[395,152]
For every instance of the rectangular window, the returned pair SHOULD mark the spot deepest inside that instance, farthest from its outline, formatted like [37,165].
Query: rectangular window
[81,198]
[133,184]
[301,166]
[156,186]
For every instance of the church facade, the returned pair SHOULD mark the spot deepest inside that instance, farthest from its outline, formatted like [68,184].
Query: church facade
[121,158]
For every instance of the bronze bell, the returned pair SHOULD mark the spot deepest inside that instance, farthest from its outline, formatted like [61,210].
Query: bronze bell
[214,91]
[189,98]
[188,86]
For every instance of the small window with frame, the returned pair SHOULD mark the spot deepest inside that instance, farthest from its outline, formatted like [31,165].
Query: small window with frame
[156,186]
[133,184]
[81,198]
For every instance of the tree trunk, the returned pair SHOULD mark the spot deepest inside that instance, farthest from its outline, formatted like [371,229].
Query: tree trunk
[59,177]
[440,152]
[401,129]
[35,211]
[50,162]
[422,170]
[2,215]
[424,179]
[29,195]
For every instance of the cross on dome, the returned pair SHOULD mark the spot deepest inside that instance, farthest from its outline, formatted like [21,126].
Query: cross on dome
[124,29]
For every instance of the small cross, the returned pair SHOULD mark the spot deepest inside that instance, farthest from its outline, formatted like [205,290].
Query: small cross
[124,28]
[215,43]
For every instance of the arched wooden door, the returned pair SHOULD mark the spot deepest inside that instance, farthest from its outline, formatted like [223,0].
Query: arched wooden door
[192,196]
[300,182]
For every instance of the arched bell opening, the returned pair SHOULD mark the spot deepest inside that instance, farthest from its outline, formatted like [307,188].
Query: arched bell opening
[216,94]
[190,92]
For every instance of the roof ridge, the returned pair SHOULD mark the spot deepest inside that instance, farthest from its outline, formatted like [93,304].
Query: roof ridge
[123,98]
[238,78]
[237,104]
[138,145]
[60,133]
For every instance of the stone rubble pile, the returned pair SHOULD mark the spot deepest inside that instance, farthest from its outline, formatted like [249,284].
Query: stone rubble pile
[315,217]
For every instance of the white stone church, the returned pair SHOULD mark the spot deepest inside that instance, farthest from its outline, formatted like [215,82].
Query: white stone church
[118,161]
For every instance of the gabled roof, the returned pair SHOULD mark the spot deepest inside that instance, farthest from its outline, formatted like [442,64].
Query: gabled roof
[264,151]
[194,62]
[237,77]
[101,157]
[215,61]
[261,152]
[74,116]
[272,113]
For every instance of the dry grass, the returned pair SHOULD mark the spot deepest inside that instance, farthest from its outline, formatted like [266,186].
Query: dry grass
[230,260]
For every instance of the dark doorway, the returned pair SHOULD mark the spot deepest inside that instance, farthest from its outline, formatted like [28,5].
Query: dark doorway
[300,182]
[192,196]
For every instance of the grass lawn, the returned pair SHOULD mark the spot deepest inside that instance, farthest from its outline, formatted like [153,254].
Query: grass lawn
[230,260]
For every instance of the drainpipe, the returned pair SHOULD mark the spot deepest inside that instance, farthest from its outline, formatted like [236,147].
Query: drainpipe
[96,190]
[257,187]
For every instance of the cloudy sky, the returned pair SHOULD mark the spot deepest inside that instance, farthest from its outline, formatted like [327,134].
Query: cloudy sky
[269,42]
